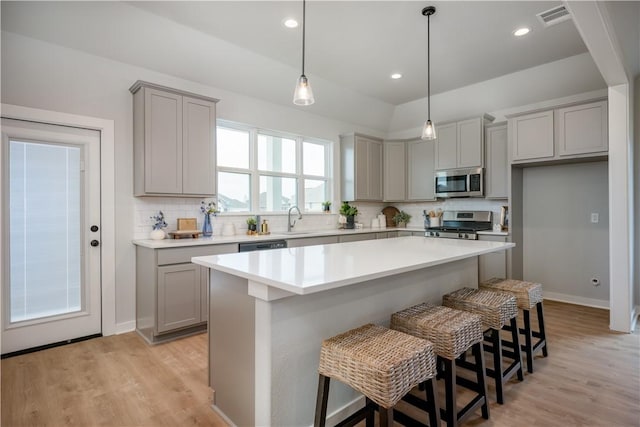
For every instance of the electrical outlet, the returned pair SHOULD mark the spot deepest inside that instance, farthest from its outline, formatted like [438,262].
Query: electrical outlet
[595,217]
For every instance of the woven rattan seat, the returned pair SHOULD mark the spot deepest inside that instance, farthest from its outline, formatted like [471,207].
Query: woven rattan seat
[452,332]
[495,308]
[527,294]
[381,363]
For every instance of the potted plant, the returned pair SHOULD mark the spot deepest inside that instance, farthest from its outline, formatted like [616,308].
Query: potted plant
[208,209]
[252,224]
[326,206]
[401,219]
[158,225]
[349,212]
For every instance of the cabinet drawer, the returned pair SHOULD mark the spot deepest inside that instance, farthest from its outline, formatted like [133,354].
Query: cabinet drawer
[182,255]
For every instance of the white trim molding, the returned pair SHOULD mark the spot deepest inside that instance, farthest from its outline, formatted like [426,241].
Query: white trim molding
[577,300]
[107,192]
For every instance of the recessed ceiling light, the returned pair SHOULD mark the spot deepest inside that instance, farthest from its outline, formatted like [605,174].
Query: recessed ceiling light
[396,76]
[521,31]
[290,23]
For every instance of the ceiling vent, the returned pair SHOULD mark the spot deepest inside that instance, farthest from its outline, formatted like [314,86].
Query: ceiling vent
[554,16]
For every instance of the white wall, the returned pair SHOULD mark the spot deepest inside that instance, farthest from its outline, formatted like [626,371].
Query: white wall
[569,76]
[46,76]
[562,249]
[636,174]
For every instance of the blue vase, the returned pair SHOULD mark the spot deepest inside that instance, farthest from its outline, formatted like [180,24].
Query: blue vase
[207,229]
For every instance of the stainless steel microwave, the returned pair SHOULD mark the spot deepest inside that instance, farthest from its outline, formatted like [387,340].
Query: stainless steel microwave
[460,183]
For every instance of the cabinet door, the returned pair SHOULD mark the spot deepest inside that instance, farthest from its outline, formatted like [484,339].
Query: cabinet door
[446,146]
[162,142]
[356,237]
[532,136]
[420,170]
[470,143]
[204,294]
[394,171]
[497,164]
[583,129]
[375,170]
[493,264]
[198,146]
[361,168]
[179,290]
[310,241]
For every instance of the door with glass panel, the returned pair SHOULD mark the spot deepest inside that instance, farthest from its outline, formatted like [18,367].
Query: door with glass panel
[51,234]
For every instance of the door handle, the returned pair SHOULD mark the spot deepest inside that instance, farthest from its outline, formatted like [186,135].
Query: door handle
[94,228]
[94,243]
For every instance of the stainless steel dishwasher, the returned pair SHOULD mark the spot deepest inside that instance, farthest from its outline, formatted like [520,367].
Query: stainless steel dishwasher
[261,246]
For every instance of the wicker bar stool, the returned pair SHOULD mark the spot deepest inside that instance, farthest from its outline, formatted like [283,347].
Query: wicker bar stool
[382,364]
[528,295]
[452,333]
[496,310]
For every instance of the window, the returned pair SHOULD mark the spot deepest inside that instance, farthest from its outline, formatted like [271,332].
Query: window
[265,171]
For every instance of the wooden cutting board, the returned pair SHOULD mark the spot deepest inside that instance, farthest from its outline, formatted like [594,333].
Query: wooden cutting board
[182,234]
[390,212]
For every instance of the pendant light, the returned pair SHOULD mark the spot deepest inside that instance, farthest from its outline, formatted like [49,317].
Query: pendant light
[429,130]
[303,95]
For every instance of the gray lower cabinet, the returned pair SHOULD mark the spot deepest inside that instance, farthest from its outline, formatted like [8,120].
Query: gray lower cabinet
[357,237]
[493,264]
[311,241]
[171,292]
[179,296]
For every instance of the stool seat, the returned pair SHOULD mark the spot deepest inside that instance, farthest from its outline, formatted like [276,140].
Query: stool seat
[380,363]
[452,332]
[495,308]
[527,294]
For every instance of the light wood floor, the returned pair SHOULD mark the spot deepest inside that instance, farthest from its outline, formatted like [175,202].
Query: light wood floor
[591,378]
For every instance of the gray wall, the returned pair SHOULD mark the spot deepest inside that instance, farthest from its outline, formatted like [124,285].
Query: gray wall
[636,174]
[562,249]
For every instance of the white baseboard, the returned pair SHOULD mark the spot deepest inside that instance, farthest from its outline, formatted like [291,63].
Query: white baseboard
[634,317]
[125,327]
[343,412]
[572,299]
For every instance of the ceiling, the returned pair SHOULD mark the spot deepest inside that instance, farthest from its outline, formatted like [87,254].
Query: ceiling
[352,46]
[358,44]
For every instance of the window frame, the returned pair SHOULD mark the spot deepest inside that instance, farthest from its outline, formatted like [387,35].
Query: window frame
[255,173]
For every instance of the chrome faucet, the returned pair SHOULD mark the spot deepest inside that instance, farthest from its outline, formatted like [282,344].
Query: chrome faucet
[290,225]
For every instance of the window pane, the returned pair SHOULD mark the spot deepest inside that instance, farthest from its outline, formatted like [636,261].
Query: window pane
[277,193]
[45,214]
[234,191]
[233,148]
[276,154]
[313,156]
[315,192]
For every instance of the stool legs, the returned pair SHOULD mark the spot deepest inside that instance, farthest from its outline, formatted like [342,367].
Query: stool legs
[321,401]
[496,343]
[529,347]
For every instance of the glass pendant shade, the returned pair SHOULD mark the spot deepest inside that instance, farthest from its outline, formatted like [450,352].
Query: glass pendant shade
[303,95]
[428,131]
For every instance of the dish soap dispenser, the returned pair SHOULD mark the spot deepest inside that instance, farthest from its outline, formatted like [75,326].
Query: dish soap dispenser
[264,227]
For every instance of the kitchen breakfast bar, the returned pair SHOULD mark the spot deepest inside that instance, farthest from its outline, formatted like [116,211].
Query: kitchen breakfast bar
[270,310]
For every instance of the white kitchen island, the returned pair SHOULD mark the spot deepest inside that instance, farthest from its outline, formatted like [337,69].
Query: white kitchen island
[270,310]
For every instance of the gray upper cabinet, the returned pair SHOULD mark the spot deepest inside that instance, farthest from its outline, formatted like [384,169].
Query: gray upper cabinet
[532,136]
[420,170]
[461,144]
[395,174]
[361,167]
[496,161]
[561,134]
[582,129]
[174,142]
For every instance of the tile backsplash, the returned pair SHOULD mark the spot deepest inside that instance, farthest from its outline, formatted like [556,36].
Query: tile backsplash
[183,207]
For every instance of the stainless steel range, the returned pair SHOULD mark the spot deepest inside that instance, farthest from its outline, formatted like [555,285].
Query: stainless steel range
[461,225]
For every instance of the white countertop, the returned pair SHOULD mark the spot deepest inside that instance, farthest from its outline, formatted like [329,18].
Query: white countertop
[242,238]
[312,269]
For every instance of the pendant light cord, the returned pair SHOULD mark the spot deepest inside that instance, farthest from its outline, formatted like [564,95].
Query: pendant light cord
[428,67]
[304,26]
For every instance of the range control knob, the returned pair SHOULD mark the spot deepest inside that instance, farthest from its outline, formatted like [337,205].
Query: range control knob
[466,236]
[437,234]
